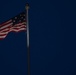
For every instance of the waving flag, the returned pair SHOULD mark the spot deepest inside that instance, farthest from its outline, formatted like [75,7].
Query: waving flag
[16,24]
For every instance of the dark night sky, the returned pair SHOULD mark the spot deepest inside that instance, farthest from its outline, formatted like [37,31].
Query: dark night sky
[52,38]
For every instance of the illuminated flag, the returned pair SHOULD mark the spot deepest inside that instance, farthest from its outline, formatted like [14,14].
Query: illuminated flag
[16,24]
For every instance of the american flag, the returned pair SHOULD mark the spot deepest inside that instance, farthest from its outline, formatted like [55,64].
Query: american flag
[16,24]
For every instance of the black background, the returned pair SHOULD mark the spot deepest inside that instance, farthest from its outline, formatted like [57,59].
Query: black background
[52,38]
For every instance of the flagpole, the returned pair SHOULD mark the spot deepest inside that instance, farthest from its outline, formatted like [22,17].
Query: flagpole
[28,49]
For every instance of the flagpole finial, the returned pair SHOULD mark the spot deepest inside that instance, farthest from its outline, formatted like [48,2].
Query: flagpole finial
[27,6]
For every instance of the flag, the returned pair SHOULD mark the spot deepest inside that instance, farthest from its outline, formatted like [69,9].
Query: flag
[16,24]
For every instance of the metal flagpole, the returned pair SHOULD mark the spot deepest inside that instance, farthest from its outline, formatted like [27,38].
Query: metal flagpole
[27,24]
